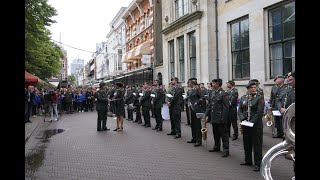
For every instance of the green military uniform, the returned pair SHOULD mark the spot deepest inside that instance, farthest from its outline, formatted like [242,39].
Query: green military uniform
[102,108]
[252,136]
[219,108]
[158,101]
[232,116]
[175,110]
[187,107]
[196,105]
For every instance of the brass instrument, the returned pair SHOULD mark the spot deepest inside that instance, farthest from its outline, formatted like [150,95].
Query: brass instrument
[204,130]
[270,120]
[285,148]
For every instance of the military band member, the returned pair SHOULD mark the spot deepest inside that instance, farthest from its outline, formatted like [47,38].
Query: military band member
[158,101]
[145,101]
[251,109]
[232,116]
[129,102]
[118,99]
[187,107]
[277,92]
[102,107]
[219,108]
[196,105]
[175,107]
[137,105]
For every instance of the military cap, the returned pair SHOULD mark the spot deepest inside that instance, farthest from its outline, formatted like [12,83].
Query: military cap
[119,84]
[231,82]
[192,79]
[102,84]
[254,80]
[250,84]
[278,77]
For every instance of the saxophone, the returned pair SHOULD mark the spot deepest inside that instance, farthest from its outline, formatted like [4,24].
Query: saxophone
[204,130]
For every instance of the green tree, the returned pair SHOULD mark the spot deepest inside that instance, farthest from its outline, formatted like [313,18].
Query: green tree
[72,80]
[42,56]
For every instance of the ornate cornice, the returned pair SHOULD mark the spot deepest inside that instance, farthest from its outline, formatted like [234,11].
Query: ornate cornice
[182,21]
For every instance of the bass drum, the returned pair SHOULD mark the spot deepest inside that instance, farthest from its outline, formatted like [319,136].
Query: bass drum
[165,112]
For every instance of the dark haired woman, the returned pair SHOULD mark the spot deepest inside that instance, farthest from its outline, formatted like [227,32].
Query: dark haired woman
[118,99]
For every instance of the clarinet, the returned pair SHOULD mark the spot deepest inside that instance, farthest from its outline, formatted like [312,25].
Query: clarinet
[285,99]
[249,107]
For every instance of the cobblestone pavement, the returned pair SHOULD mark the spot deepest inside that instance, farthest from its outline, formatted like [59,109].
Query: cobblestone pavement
[72,149]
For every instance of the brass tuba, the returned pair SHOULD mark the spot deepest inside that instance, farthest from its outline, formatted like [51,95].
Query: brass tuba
[284,148]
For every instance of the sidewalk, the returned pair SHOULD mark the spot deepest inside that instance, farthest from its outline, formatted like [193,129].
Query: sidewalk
[30,127]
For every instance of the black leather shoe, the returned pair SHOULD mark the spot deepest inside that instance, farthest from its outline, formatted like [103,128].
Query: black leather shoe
[144,125]
[214,150]
[256,168]
[105,129]
[155,128]
[246,164]
[116,129]
[171,133]
[234,138]
[135,121]
[99,130]
[225,154]
[177,136]
[197,144]
[139,122]
[191,141]
[147,125]
[159,129]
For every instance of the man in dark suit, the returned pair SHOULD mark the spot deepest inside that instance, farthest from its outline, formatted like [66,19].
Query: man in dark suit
[232,116]
[158,101]
[146,104]
[29,98]
[102,107]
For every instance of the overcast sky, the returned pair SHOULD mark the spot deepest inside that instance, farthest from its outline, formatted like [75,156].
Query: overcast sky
[83,23]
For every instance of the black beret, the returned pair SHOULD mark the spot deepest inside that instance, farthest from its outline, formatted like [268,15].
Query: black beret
[254,80]
[250,84]
[192,79]
[119,84]
[278,77]
[102,84]
[231,82]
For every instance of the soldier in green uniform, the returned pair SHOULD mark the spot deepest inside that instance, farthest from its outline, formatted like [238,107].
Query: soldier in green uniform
[259,90]
[175,107]
[277,92]
[187,106]
[145,101]
[233,100]
[196,105]
[158,101]
[218,107]
[136,104]
[251,109]
[129,98]
[102,107]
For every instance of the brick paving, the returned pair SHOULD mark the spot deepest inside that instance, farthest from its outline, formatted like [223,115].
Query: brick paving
[78,151]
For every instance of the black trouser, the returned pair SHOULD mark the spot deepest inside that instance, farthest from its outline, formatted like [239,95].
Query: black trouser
[220,131]
[27,111]
[146,114]
[175,119]
[152,111]
[159,119]
[278,125]
[89,105]
[252,138]
[102,119]
[84,105]
[196,128]
[188,113]
[130,113]
[138,114]
[68,107]
[232,119]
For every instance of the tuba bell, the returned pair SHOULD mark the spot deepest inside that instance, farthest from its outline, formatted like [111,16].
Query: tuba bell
[284,148]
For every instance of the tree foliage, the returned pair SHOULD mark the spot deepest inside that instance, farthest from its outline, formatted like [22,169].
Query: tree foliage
[72,80]
[42,56]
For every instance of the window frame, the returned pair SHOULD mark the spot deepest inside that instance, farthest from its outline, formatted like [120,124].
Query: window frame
[191,56]
[181,58]
[241,51]
[171,58]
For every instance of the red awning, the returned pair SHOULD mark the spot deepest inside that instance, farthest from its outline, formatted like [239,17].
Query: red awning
[30,78]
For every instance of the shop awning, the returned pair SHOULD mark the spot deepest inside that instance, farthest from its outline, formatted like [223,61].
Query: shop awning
[30,78]
[124,58]
[142,49]
[130,55]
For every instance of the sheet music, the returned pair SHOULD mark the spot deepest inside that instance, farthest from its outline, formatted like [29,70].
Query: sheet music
[246,123]
[184,96]
[169,95]
[140,94]
[153,95]
[276,113]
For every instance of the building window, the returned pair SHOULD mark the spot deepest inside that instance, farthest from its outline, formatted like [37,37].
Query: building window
[171,57]
[119,63]
[282,39]
[138,27]
[192,55]
[181,8]
[147,21]
[240,49]
[181,58]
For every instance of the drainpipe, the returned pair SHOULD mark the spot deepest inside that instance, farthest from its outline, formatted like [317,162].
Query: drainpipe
[217,46]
